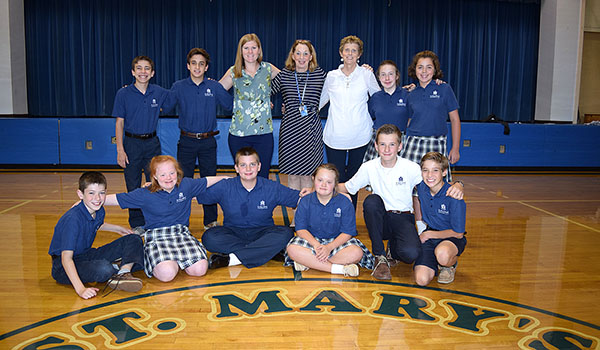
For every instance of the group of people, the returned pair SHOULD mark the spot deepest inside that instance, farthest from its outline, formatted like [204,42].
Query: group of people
[363,139]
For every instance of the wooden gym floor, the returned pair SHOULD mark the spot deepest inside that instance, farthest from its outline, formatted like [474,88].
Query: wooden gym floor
[529,278]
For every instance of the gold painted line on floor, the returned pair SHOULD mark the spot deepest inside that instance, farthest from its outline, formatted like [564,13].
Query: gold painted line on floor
[558,216]
[15,206]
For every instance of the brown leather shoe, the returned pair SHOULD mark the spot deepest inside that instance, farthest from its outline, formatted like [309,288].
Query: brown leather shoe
[382,269]
[125,282]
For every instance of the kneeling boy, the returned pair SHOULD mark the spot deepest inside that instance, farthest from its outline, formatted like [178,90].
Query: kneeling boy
[75,262]
[443,241]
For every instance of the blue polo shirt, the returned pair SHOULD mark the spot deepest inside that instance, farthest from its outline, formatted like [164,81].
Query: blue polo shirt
[442,212]
[76,230]
[140,111]
[429,108]
[249,209]
[326,221]
[389,109]
[198,104]
[161,208]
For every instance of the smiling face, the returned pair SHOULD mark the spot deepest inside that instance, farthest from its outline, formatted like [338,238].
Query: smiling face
[142,72]
[433,175]
[247,167]
[388,76]
[93,197]
[197,67]
[425,70]
[250,52]
[302,57]
[325,182]
[350,53]
[387,147]
[166,175]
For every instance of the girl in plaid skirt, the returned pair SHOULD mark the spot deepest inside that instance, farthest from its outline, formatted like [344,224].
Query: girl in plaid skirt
[166,204]
[325,229]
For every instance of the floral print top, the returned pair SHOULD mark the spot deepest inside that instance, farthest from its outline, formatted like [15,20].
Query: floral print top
[252,103]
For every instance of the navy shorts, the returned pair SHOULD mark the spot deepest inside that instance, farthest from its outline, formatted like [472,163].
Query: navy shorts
[427,256]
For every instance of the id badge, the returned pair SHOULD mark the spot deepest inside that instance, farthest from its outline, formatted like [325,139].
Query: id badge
[303,111]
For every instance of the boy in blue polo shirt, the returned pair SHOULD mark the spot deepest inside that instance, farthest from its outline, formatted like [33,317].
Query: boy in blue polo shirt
[137,107]
[249,235]
[75,262]
[443,240]
[197,99]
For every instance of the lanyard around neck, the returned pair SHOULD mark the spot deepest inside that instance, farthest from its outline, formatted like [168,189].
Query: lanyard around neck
[298,86]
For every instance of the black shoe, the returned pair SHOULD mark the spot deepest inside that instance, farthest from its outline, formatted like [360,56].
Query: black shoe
[279,257]
[217,260]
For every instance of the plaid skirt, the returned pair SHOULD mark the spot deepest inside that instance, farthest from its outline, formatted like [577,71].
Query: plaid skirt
[415,147]
[171,243]
[371,152]
[367,261]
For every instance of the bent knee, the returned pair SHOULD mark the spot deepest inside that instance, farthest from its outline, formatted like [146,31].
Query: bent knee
[423,277]
[198,269]
[166,271]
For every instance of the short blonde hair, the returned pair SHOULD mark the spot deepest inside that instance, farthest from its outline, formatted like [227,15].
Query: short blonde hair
[352,39]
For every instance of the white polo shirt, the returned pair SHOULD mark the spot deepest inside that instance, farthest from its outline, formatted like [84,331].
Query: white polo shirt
[394,185]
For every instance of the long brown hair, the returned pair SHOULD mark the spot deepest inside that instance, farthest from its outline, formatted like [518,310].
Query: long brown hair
[154,165]
[239,56]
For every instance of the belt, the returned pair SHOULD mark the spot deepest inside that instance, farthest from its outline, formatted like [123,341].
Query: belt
[399,212]
[199,135]
[140,136]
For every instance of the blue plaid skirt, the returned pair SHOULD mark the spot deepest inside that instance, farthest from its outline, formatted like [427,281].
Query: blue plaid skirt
[367,261]
[415,147]
[171,243]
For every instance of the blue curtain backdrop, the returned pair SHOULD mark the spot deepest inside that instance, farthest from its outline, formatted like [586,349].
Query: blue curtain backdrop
[79,52]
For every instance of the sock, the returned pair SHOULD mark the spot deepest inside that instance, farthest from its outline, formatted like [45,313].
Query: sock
[337,269]
[421,226]
[123,270]
[233,260]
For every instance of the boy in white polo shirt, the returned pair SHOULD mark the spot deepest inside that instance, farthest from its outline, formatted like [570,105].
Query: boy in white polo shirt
[388,211]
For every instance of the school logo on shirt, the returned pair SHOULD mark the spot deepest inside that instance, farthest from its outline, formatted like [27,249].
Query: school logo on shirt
[400,181]
[434,94]
[153,104]
[181,197]
[208,93]
[338,213]
[401,103]
[262,205]
[443,210]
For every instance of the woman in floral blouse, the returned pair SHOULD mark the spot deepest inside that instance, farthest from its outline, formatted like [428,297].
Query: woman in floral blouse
[251,123]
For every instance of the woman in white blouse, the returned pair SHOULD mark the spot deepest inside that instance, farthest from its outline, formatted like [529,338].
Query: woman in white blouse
[348,128]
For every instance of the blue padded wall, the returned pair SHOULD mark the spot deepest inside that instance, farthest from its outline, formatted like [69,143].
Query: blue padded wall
[62,141]
[29,141]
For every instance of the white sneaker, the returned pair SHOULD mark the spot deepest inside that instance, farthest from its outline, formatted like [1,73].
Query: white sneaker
[351,270]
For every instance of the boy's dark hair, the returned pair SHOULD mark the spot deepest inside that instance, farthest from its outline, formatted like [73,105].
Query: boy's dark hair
[436,157]
[246,151]
[198,51]
[412,69]
[388,129]
[90,178]
[142,58]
